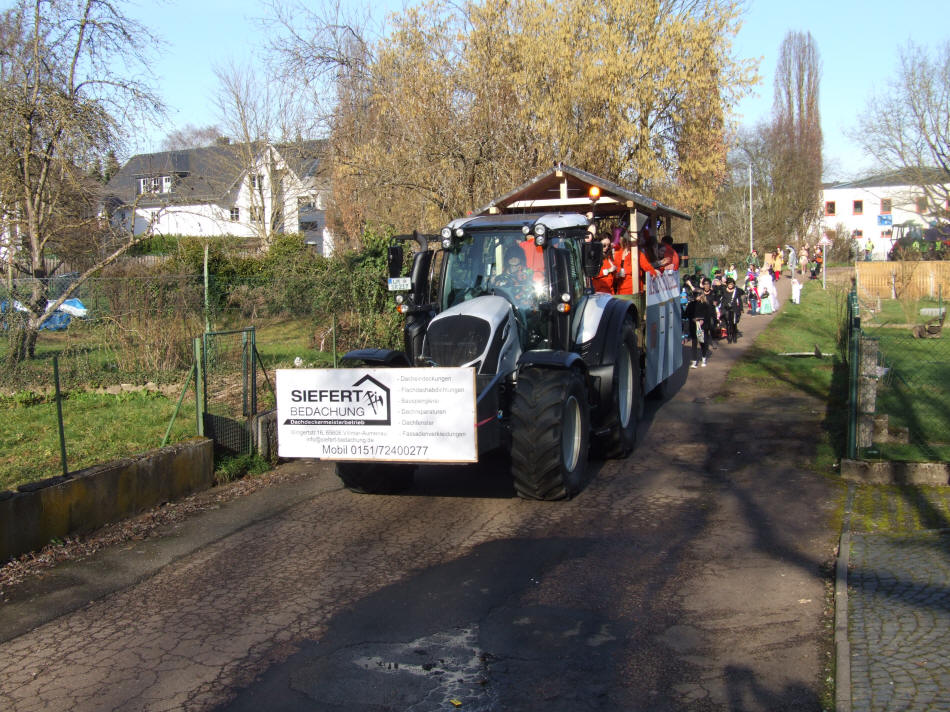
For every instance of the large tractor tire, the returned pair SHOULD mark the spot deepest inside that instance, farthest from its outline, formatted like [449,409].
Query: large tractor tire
[375,477]
[626,406]
[550,422]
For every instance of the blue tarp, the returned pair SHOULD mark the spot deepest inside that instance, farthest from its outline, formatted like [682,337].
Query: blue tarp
[58,321]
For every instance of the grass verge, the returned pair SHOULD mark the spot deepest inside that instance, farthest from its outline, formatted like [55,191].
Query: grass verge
[813,325]
[98,428]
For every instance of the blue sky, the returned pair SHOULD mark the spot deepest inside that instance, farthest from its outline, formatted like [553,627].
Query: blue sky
[858,43]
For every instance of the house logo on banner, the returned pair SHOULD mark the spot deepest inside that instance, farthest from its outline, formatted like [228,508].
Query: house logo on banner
[366,402]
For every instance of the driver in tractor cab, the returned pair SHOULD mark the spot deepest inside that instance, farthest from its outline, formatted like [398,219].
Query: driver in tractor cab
[515,279]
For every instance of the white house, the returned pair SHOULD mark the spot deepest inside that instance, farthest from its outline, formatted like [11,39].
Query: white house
[242,190]
[880,208]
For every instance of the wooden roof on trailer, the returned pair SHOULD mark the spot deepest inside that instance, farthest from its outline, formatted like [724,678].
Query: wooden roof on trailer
[566,188]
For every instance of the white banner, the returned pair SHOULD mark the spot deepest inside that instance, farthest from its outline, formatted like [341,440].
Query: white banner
[379,414]
[662,287]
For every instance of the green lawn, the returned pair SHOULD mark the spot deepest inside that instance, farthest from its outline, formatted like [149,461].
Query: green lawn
[98,428]
[914,394]
[102,427]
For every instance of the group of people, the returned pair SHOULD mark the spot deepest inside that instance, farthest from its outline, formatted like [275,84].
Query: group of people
[616,273]
[713,306]
[808,260]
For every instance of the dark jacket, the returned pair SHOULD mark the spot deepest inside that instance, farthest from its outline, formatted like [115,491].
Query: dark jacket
[700,310]
[731,302]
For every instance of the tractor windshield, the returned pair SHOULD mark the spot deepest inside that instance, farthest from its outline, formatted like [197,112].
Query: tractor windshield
[500,263]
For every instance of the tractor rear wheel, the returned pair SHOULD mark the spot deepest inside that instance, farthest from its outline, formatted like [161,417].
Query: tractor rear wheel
[626,406]
[550,421]
[375,477]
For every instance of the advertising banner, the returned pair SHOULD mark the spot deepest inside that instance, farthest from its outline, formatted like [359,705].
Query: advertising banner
[378,414]
[664,328]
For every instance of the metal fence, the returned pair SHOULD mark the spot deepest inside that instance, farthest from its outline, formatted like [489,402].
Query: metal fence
[900,387]
[227,388]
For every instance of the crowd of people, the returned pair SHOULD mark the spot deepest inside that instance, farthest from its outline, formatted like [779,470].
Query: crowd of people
[617,273]
[713,305]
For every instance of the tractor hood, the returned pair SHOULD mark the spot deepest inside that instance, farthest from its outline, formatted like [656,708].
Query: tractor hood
[480,332]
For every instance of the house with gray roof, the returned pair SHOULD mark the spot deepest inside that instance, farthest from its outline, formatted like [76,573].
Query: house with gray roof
[249,190]
[884,207]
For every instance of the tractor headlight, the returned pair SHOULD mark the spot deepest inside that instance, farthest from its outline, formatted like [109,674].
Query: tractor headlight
[540,234]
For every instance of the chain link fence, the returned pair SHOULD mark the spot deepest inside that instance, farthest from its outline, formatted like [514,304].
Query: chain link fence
[900,383]
[135,345]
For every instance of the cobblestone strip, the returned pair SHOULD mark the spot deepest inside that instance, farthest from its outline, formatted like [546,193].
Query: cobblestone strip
[899,590]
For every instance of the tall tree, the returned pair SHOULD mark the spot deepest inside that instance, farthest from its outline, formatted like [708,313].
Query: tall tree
[462,101]
[191,136]
[906,127]
[60,98]
[259,109]
[795,135]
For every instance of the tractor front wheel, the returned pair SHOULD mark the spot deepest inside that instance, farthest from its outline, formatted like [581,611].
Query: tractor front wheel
[550,421]
[375,477]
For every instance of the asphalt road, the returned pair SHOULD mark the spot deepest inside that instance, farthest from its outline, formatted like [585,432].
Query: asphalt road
[690,576]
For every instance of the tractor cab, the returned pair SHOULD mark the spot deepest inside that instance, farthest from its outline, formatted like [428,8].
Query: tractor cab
[532,262]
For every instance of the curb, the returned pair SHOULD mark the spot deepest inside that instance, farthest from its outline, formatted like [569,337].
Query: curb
[842,643]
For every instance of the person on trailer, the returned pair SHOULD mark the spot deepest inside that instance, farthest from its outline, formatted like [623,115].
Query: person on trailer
[606,277]
[625,270]
[670,253]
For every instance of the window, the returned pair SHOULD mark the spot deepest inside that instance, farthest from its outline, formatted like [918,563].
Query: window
[235,215]
[921,204]
[830,208]
[257,214]
[257,181]
[858,207]
[306,203]
[155,184]
[885,206]
[857,234]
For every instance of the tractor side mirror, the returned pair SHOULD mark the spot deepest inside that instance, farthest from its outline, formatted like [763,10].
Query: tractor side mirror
[593,258]
[394,260]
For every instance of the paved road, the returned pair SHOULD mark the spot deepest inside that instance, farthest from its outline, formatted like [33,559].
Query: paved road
[689,576]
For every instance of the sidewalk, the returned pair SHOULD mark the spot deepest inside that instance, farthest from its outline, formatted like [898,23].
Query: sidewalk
[893,621]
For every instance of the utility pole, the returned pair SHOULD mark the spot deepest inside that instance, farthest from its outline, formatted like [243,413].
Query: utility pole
[750,209]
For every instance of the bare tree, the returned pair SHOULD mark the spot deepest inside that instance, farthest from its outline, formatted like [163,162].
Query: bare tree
[191,136]
[62,103]
[795,135]
[260,110]
[906,127]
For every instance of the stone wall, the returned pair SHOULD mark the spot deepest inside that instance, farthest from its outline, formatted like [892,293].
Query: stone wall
[87,499]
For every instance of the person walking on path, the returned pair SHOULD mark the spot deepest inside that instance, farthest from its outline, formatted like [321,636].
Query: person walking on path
[752,261]
[701,314]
